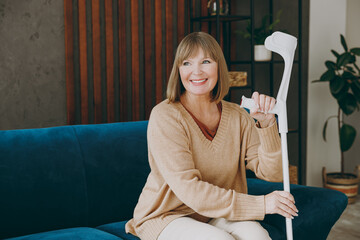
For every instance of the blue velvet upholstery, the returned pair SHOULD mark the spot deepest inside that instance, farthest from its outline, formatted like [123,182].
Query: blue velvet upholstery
[319,209]
[81,233]
[43,184]
[118,229]
[116,168]
[86,180]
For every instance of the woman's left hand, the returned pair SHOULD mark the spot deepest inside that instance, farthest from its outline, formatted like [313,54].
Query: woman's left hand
[264,104]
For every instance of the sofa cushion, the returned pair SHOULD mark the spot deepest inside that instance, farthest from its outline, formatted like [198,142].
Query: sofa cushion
[118,229]
[116,166]
[319,209]
[81,233]
[42,181]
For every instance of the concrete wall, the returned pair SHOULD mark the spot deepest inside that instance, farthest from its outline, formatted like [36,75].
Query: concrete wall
[32,64]
[327,21]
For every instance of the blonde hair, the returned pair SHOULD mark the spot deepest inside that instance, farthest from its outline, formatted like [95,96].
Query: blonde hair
[189,46]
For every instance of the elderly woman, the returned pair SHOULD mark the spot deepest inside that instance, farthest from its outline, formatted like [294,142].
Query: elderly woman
[199,149]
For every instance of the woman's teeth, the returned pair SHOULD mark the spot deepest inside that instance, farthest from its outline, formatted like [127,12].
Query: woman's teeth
[199,81]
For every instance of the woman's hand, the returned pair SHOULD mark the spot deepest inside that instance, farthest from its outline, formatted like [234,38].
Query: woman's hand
[282,203]
[264,104]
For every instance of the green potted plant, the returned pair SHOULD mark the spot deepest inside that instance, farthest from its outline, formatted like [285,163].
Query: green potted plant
[260,34]
[343,76]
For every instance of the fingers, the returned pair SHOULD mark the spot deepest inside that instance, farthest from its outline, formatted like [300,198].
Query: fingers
[281,202]
[264,102]
[272,103]
[255,97]
[267,104]
[287,195]
[263,105]
[288,208]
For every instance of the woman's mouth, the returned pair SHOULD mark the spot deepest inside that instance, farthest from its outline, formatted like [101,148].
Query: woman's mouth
[198,81]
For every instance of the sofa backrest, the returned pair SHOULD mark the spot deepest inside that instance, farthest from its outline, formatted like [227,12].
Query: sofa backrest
[69,176]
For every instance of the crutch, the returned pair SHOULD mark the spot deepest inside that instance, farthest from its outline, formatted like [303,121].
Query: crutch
[285,45]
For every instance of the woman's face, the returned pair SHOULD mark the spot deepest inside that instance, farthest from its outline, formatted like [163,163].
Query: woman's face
[199,74]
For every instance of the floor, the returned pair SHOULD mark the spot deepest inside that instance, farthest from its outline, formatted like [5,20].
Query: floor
[348,226]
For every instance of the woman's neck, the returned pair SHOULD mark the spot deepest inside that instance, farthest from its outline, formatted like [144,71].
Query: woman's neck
[198,105]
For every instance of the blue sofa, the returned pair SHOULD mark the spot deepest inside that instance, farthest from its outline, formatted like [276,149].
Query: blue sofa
[83,182]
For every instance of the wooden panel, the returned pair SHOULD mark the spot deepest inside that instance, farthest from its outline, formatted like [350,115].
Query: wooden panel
[135,58]
[109,61]
[147,57]
[158,45]
[69,55]
[180,21]
[83,63]
[204,12]
[169,37]
[146,44]
[122,60]
[96,60]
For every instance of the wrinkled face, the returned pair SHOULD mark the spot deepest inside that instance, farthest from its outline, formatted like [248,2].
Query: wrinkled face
[199,74]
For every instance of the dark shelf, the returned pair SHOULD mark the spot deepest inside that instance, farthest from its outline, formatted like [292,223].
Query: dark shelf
[222,26]
[236,87]
[293,131]
[222,18]
[265,62]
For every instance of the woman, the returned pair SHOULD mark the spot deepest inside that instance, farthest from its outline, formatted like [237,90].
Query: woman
[199,148]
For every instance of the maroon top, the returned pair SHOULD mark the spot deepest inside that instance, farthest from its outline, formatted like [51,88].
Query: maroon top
[208,133]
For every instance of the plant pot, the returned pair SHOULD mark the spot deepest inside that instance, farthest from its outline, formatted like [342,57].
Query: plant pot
[261,54]
[347,183]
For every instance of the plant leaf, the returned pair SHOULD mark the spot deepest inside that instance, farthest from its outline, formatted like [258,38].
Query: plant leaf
[315,81]
[342,93]
[350,69]
[343,42]
[347,137]
[336,54]
[344,59]
[347,103]
[325,126]
[324,130]
[330,65]
[276,20]
[352,59]
[348,75]
[355,87]
[327,76]
[264,21]
[355,51]
[337,84]
[278,14]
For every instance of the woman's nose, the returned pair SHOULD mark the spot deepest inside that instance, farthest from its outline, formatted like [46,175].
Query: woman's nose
[197,69]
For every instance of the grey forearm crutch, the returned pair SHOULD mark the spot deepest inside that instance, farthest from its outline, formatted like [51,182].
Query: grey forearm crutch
[285,45]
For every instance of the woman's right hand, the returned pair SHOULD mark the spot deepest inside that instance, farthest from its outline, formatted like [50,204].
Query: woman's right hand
[282,203]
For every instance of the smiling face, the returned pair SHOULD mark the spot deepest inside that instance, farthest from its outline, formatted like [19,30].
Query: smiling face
[199,74]
[199,69]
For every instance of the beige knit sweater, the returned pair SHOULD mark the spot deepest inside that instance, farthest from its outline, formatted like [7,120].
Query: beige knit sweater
[191,175]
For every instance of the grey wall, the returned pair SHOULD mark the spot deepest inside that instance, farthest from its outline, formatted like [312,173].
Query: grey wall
[352,157]
[32,64]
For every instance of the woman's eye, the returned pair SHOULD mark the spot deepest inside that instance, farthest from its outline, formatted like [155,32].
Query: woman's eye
[206,61]
[186,63]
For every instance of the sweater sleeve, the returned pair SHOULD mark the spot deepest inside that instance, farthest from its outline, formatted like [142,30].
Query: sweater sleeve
[170,153]
[263,154]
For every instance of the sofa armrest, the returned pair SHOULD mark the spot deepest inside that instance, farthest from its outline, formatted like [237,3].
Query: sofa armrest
[319,209]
